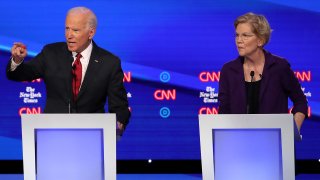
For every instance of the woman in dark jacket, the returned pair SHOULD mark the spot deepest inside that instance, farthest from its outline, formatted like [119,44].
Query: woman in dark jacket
[258,82]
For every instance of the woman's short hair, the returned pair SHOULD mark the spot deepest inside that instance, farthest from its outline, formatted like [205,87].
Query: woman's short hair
[259,24]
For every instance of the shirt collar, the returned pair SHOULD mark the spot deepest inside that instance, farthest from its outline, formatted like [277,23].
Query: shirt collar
[85,53]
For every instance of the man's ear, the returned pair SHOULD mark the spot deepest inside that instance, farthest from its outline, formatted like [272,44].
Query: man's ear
[92,32]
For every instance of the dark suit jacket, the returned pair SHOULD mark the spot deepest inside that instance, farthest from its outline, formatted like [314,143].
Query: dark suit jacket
[103,80]
[277,84]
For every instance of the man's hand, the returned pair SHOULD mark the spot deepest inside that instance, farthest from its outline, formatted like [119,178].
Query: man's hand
[120,128]
[18,52]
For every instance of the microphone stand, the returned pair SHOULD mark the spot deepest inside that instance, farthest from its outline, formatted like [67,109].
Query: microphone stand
[74,87]
[250,91]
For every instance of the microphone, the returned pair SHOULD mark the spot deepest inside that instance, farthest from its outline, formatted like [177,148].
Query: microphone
[252,75]
[250,91]
[74,98]
[69,93]
[73,82]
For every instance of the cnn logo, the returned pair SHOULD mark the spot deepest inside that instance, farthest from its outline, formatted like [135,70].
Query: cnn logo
[165,94]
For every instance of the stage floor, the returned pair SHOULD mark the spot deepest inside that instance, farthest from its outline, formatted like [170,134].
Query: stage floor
[159,177]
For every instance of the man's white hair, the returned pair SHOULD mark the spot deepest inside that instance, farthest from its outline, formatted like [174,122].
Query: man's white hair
[92,19]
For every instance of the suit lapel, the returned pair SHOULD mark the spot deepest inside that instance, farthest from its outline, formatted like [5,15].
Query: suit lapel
[242,86]
[269,61]
[93,66]
[239,88]
[66,61]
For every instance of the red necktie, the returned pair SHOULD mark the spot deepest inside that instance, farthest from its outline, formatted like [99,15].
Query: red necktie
[77,76]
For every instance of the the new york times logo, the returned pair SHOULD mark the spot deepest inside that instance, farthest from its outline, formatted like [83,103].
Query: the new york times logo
[209,95]
[30,96]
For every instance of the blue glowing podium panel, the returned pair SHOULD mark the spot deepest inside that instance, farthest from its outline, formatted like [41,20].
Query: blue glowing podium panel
[69,154]
[69,146]
[241,151]
[250,147]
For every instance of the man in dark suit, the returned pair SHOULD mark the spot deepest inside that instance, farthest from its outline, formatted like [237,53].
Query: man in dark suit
[79,76]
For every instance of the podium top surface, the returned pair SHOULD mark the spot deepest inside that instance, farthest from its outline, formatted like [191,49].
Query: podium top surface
[68,120]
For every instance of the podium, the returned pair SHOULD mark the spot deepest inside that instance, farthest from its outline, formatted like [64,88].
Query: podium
[247,146]
[69,146]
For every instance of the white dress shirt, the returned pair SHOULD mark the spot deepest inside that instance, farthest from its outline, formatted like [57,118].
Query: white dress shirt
[84,59]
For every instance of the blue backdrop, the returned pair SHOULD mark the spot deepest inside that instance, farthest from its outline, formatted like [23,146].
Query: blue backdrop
[171,52]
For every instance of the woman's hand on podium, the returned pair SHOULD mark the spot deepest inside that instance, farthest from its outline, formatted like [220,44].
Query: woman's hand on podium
[299,118]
